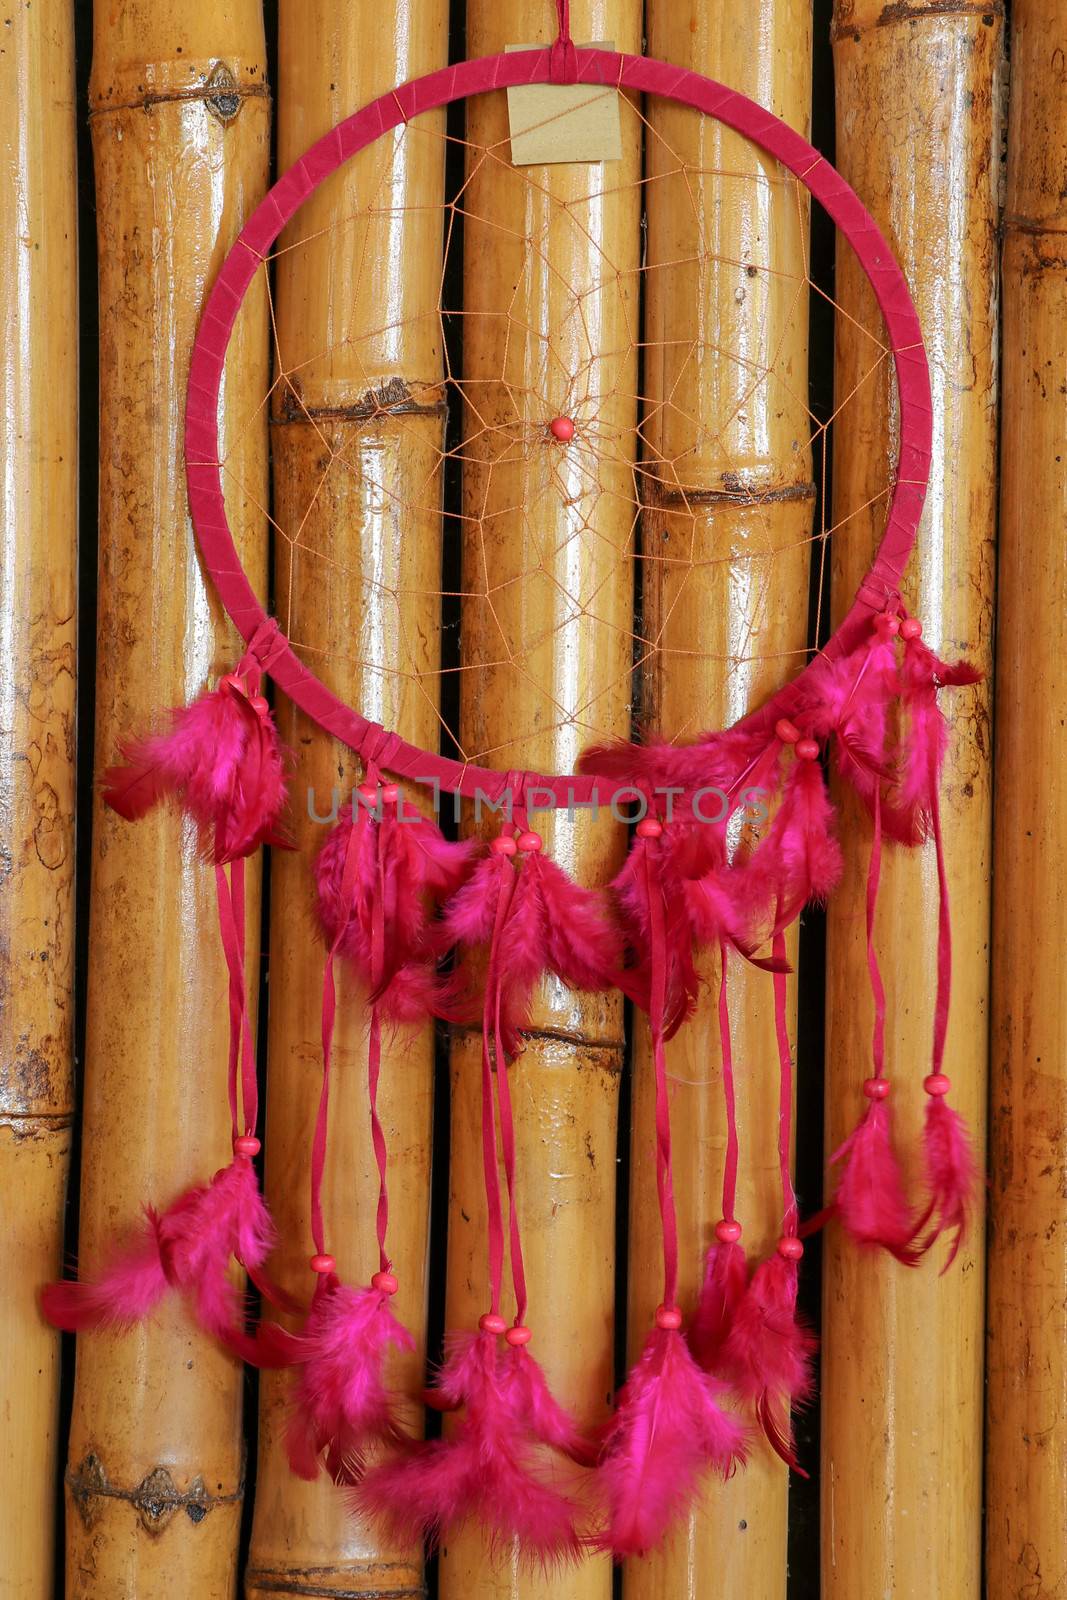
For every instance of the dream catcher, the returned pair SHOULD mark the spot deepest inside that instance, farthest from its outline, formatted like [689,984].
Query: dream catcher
[733,830]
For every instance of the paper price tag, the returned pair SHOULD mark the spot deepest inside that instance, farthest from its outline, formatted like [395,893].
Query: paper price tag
[557,122]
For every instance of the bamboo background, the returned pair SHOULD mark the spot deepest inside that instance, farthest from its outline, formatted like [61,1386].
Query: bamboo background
[135,136]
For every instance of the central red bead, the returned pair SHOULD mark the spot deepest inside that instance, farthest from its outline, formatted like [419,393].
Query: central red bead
[562,428]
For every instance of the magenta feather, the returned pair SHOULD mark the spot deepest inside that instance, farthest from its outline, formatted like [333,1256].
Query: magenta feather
[404,869]
[631,887]
[910,804]
[767,1354]
[494,1465]
[952,1178]
[798,862]
[222,759]
[188,1247]
[870,1197]
[340,1403]
[668,1430]
[553,925]
[723,1289]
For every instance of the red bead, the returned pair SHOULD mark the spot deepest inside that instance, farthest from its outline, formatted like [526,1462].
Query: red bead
[911,628]
[790,1248]
[807,749]
[787,731]
[887,625]
[385,1282]
[876,1088]
[391,794]
[235,681]
[937,1084]
[503,845]
[369,793]
[562,428]
[323,1264]
[727,1232]
[246,1145]
[492,1322]
[529,843]
[668,1317]
[649,828]
[258,703]
[518,1335]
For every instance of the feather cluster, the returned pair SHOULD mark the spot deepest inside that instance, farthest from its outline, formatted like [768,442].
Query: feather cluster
[952,1178]
[405,868]
[552,925]
[189,1247]
[766,1356]
[500,1463]
[340,1402]
[870,1198]
[669,1429]
[222,760]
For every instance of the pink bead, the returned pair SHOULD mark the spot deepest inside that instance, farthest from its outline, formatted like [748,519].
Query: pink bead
[562,428]
[504,845]
[518,1335]
[529,843]
[323,1264]
[246,1145]
[391,794]
[385,1282]
[790,1248]
[369,793]
[886,625]
[649,828]
[668,1317]
[492,1322]
[727,1232]
[807,749]
[258,703]
[876,1088]
[235,681]
[911,628]
[787,731]
[937,1084]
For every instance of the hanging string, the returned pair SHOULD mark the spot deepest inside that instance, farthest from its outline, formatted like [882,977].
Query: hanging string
[490,1169]
[874,871]
[563,65]
[230,896]
[729,1173]
[790,1215]
[944,926]
[664,1167]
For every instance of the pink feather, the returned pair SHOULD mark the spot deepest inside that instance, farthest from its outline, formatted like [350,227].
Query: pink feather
[909,806]
[340,1403]
[189,1247]
[222,759]
[552,925]
[870,1197]
[631,891]
[767,1354]
[725,1283]
[798,861]
[493,1466]
[669,1429]
[404,868]
[952,1177]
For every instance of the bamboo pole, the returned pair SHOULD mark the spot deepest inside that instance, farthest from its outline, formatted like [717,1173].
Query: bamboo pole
[918,100]
[565,1082]
[375,406]
[180,123]
[38,575]
[712,658]
[1026,1453]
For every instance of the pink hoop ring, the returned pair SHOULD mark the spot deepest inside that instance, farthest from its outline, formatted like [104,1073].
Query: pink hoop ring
[252,245]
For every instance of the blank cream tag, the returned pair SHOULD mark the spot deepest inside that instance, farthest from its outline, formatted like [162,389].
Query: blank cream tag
[553,122]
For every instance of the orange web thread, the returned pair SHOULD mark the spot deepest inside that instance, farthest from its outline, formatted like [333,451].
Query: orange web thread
[554,536]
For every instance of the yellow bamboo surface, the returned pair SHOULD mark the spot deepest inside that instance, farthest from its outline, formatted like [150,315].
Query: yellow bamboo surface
[1026,1448]
[38,555]
[357,433]
[565,1082]
[918,138]
[726,623]
[180,124]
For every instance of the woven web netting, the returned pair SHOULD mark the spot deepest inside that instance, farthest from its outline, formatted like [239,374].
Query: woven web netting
[509,592]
